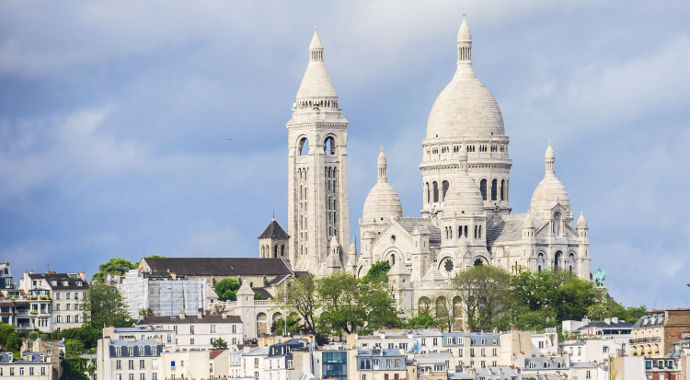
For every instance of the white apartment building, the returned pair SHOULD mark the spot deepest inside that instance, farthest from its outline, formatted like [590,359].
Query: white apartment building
[197,332]
[31,365]
[64,291]
[129,359]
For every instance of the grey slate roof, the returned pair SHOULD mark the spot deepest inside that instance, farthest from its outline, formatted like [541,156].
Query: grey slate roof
[209,318]
[217,266]
[500,230]
[274,231]
[409,223]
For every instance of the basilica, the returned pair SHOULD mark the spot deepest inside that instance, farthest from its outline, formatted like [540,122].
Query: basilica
[466,218]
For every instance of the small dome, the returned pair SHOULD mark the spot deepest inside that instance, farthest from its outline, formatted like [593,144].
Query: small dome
[382,202]
[549,191]
[463,196]
[581,221]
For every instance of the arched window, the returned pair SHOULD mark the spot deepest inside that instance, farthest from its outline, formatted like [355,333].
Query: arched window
[557,258]
[282,250]
[482,188]
[571,262]
[445,186]
[540,261]
[392,259]
[556,223]
[329,146]
[303,146]
[459,232]
[435,184]
[494,189]
[428,193]
[465,231]
[503,189]
[275,251]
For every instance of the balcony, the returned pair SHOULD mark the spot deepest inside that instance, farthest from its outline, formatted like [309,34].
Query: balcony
[645,340]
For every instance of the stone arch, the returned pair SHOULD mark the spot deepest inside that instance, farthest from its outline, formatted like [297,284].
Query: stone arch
[446,265]
[329,146]
[423,305]
[303,146]
[571,265]
[276,316]
[457,314]
[557,257]
[393,256]
[540,261]
[441,307]
[480,260]
[482,188]
[262,327]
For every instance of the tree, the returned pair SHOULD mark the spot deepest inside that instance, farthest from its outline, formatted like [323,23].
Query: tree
[544,299]
[104,307]
[301,299]
[226,289]
[378,272]
[73,369]
[293,324]
[9,338]
[220,344]
[74,347]
[340,299]
[423,319]
[351,306]
[484,291]
[114,265]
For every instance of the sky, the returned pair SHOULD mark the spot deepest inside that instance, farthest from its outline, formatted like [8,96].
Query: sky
[134,128]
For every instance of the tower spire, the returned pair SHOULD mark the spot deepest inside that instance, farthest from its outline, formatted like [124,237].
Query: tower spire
[382,164]
[316,89]
[464,42]
[549,161]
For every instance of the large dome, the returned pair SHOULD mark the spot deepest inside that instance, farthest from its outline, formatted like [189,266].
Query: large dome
[383,201]
[465,107]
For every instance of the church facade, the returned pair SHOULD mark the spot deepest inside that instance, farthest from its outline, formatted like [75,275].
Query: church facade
[466,216]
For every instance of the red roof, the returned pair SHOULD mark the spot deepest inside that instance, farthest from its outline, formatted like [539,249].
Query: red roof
[214,353]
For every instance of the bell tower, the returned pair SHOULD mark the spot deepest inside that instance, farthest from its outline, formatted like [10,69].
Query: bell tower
[318,207]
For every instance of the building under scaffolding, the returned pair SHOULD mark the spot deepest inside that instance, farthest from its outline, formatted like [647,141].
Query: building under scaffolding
[165,296]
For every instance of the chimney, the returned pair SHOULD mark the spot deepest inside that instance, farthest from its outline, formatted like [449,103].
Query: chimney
[607,321]
[182,315]
[82,275]
[614,320]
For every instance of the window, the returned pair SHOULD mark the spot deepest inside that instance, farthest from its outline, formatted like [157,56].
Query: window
[445,185]
[191,330]
[43,371]
[191,341]
[21,371]
[213,329]
[482,188]
[131,364]
[588,375]
[329,146]
[154,376]
[435,186]
[131,376]
[303,146]
[494,189]
[67,295]
[141,363]
[234,329]
[142,376]
[118,363]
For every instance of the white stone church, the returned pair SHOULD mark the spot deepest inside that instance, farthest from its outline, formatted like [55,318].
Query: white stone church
[466,217]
